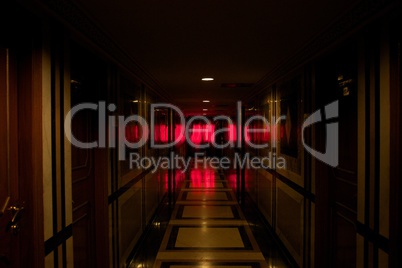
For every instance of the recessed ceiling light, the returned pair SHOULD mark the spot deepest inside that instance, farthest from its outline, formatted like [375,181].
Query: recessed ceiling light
[205,109]
[205,101]
[135,101]
[207,79]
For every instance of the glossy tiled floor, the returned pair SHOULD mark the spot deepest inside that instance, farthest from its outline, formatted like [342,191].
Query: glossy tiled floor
[207,228]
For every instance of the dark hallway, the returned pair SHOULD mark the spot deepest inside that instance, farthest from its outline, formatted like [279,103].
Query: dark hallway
[200,134]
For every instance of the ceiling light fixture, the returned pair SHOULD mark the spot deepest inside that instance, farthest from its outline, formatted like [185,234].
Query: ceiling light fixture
[207,79]
[205,101]
[205,109]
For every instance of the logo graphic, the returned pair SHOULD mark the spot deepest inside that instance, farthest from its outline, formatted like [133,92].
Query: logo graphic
[200,132]
[331,155]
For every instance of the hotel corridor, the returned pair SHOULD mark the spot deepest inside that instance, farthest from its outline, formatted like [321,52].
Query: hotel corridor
[296,105]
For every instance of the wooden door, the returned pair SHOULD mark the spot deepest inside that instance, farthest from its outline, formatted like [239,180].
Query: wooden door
[21,188]
[89,166]
[336,202]
[9,187]
[82,183]
[82,180]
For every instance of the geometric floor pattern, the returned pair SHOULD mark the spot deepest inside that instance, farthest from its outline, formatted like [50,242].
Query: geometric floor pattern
[208,228]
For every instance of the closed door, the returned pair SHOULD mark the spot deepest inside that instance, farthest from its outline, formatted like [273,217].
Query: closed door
[89,166]
[82,180]
[83,187]
[336,202]
[11,205]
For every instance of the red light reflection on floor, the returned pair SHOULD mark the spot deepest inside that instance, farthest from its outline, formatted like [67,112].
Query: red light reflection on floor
[232,180]
[202,178]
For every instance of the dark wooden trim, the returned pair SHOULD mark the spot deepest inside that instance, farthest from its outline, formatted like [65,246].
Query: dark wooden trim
[115,196]
[58,239]
[37,156]
[377,144]
[305,193]
[61,132]
[30,142]
[373,237]
[396,147]
[13,140]
[53,70]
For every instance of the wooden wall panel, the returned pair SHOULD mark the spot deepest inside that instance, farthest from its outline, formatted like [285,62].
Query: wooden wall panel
[252,183]
[290,219]
[265,188]
[151,195]
[130,219]
[385,133]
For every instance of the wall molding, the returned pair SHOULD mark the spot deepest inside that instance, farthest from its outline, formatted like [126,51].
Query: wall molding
[58,239]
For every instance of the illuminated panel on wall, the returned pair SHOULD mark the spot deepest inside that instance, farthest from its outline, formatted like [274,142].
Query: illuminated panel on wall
[132,133]
[282,132]
[248,134]
[161,133]
[163,130]
[266,135]
[232,133]
[209,133]
[260,137]
[156,134]
[196,137]
[179,128]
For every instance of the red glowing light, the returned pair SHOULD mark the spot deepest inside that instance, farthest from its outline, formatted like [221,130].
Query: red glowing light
[163,130]
[209,133]
[232,133]
[132,133]
[196,137]
[178,129]
[156,134]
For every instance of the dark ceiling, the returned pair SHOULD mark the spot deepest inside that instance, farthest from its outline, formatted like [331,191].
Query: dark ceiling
[180,42]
